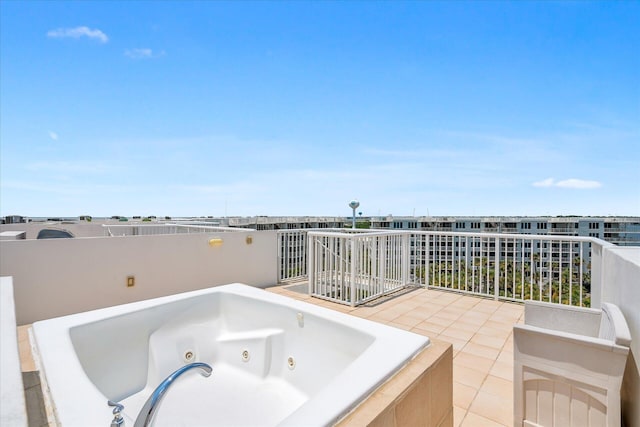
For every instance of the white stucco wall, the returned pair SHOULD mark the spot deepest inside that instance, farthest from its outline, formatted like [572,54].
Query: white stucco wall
[79,229]
[621,286]
[55,277]
[13,410]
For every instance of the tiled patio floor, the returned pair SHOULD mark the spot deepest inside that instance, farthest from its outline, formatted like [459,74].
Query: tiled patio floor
[481,331]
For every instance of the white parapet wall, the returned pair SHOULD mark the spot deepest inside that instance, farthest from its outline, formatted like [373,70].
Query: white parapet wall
[621,286]
[13,410]
[78,229]
[55,277]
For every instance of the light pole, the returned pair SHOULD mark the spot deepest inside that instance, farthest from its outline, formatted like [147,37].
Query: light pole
[354,205]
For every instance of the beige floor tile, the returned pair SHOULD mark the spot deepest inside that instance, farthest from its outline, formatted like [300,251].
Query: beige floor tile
[463,395]
[456,332]
[505,356]
[471,326]
[394,324]
[441,320]
[467,376]
[472,361]
[488,341]
[475,420]
[493,407]
[423,312]
[481,350]
[508,345]
[510,311]
[425,304]
[498,387]
[423,295]
[465,302]
[458,415]
[458,344]
[366,311]
[412,303]
[486,306]
[514,307]
[419,329]
[408,320]
[502,370]
[489,330]
[506,321]
[448,313]
[423,333]
[445,299]
[398,309]
[384,316]
[458,306]
[471,315]
[428,326]
[439,304]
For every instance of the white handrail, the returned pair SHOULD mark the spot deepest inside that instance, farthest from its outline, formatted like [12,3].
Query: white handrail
[504,266]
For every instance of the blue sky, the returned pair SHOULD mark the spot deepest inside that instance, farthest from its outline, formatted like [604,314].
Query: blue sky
[295,108]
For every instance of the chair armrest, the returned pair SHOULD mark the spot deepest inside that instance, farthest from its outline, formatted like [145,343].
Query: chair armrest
[613,325]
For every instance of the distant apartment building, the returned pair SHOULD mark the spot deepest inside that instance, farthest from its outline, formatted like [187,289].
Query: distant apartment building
[550,257]
[261,223]
[14,219]
[621,231]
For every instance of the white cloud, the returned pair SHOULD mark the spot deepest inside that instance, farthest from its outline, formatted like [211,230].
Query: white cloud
[78,32]
[53,135]
[544,183]
[144,53]
[580,184]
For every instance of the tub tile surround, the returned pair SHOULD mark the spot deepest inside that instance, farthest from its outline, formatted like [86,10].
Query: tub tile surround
[419,395]
[480,385]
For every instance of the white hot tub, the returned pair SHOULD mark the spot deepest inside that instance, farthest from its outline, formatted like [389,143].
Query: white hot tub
[276,361]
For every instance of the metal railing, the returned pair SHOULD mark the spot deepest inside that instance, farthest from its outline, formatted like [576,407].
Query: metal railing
[514,267]
[354,268]
[114,230]
[292,255]
[292,252]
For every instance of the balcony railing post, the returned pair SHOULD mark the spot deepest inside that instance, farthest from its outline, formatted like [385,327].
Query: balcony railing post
[382,264]
[352,296]
[496,270]
[404,259]
[311,257]
[596,273]
[427,259]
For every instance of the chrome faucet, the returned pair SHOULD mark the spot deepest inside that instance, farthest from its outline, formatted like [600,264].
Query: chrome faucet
[118,421]
[148,411]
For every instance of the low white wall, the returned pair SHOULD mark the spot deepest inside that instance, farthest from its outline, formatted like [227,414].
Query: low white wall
[79,229]
[55,277]
[621,286]
[13,409]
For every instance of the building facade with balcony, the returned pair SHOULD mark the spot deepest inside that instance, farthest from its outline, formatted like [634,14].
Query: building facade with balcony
[621,231]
